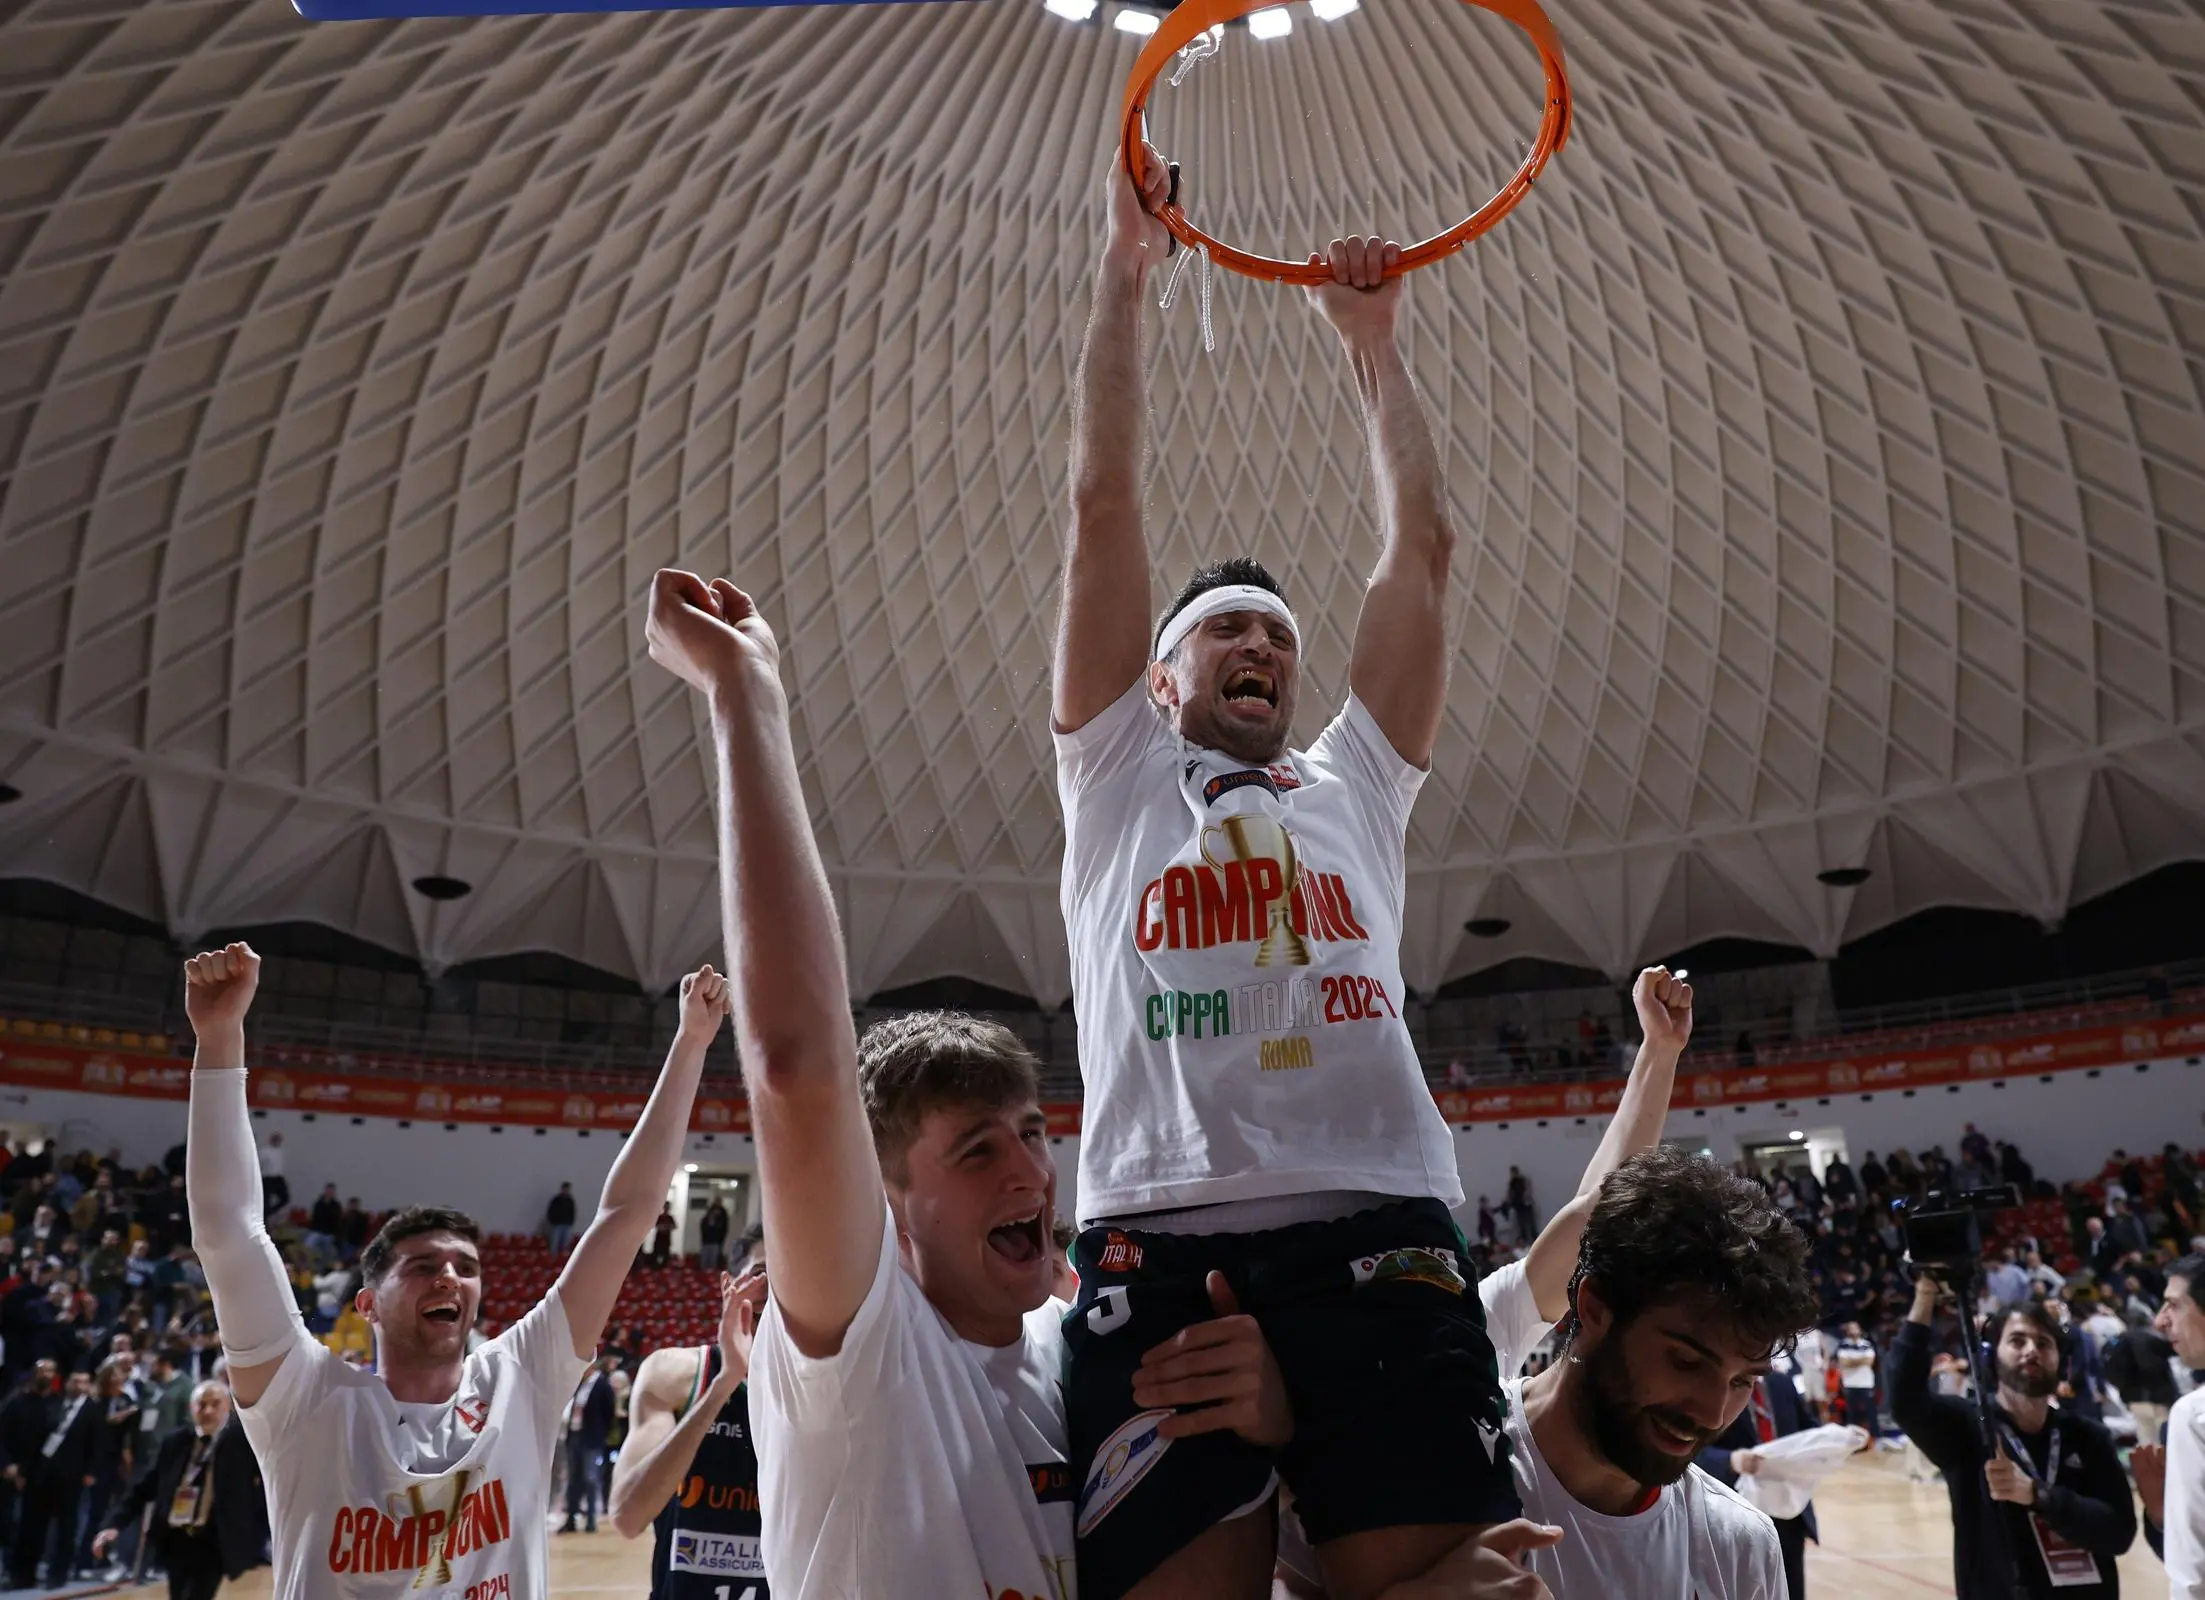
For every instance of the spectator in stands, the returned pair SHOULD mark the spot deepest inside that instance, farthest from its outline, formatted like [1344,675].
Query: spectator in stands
[2126,1229]
[210,1509]
[1520,1206]
[2041,1276]
[55,1481]
[172,1387]
[353,1229]
[712,1236]
[2007,1282]
[589,1430]
[2013,1169]
[1856,1362]
[25,1421]
[111,1462]
[1489,1230]
[47,1231]
[559,1219]
[323,1223]
[1873,1179]
[662,1236]
[275,1190]
[2100,1250]
[171,1223]
[1839,1184]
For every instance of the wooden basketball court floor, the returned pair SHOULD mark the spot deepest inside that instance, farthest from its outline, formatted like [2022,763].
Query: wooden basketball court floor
[1883,1538]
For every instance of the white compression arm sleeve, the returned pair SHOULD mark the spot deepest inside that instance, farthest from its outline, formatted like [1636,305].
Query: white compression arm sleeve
[253,1303]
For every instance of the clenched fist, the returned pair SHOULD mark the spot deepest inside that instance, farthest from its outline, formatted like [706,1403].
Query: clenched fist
[218,988]
[1664,1005]
[704,1002]
[706,634]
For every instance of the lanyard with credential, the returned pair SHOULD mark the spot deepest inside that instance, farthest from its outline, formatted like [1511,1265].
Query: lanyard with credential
[2067,1564]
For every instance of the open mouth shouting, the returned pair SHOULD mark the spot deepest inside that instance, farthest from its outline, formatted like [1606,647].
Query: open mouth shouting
[442,1313]
[1023,1240]
[1251,687]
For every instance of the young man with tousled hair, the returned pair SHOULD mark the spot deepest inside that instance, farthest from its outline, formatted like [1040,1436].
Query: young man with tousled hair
[1234,909]
[434,1470]
[2051,1496]
[1688,1281]
[905,1378]
[904,1374]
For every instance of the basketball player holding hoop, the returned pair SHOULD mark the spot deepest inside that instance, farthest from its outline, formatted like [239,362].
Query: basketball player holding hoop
[1254,1100]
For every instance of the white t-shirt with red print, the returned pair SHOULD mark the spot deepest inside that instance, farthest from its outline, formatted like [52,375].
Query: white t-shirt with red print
[1236,963]
[372,1498]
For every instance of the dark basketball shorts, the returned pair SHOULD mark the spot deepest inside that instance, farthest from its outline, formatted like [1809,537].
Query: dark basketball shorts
[1381,1342]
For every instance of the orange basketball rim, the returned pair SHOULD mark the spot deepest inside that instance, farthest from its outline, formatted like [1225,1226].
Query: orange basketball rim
[1191,18]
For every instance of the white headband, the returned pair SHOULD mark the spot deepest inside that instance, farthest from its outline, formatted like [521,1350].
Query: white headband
[1213,602]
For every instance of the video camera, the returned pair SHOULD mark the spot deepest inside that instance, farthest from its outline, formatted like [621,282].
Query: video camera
[1944,1232]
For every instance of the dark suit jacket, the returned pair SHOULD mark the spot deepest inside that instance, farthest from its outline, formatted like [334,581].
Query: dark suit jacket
[597,1411]
[1791,1417]
[24,1423]
[72,1462]
[239,1521]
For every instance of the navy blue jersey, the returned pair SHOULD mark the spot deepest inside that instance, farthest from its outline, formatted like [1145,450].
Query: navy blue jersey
[704,1545]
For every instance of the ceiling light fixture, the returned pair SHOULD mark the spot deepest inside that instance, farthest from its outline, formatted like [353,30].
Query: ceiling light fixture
[688,1166]
[1844,877]
[438,887]
[1331,10]
[9,794]
[1129,20]
[1486,927]
[1070,10]
[1273,23]
[1795,1134]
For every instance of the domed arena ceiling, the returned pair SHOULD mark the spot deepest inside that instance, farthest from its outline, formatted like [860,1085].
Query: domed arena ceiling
[1824,436]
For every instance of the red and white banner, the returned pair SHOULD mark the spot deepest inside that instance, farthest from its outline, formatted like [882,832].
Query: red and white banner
[44,1063]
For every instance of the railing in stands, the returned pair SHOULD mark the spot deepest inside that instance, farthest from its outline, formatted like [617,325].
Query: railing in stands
[356,1047]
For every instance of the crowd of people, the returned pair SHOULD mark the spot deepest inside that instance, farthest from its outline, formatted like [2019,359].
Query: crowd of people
[109,1355]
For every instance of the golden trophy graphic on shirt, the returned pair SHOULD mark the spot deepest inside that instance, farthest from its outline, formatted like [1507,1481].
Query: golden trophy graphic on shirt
[1255,837]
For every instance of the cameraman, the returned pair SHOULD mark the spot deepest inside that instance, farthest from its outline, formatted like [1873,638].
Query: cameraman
[2056,1488]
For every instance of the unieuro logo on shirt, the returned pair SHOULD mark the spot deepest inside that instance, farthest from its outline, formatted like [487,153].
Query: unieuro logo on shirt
[419,1531]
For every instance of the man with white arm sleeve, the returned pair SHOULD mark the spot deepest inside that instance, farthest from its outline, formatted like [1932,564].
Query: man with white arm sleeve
[433,1472]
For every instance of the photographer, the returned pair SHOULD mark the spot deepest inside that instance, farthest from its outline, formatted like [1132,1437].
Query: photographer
[2054,1498]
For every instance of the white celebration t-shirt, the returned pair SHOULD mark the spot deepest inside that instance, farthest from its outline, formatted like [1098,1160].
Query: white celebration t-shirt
[370,1497]
[2185,1498]
[911,1462]
[1698,1541]
[1512,1319]
[1236,963]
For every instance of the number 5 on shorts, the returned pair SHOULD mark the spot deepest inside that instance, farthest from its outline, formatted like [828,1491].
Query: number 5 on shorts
[1110,1312]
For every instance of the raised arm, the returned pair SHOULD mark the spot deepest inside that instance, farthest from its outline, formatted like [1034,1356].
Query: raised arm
[1399,665]
[1664,1005]
[1102,619]
[641,1174]
[821,1181]
[662,1438]
[253,1302]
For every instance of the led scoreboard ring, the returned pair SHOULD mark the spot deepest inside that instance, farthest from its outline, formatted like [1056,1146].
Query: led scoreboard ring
[1192,18]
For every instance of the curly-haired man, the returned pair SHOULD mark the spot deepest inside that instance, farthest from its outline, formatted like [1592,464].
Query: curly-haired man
[1688,1282]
